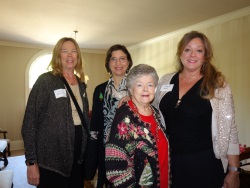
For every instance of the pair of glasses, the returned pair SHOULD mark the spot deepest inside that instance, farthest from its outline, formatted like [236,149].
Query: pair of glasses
[115,60]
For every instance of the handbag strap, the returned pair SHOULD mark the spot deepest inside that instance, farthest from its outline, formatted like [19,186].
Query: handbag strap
[83,120]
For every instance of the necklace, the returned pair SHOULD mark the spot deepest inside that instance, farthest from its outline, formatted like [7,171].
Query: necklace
[190,78]
[71,80]
[178,103]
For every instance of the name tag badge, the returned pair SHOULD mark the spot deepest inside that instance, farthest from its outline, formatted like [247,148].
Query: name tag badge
[60,93]
[167,87]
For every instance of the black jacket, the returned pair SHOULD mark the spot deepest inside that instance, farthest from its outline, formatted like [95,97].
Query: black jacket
[96,152]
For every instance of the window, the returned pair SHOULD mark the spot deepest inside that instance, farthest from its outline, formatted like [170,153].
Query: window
[38,67]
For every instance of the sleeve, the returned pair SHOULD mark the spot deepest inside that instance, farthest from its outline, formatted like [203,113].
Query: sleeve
[156,102]
[233,148]
[96,124]
[118,161]
[34,113]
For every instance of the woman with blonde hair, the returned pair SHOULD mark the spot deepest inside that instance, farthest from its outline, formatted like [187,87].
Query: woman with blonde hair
[54,130]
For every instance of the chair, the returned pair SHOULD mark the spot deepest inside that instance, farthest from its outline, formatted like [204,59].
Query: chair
[245,174]
[3,145]
[245,155]
[7,140]
[6,179]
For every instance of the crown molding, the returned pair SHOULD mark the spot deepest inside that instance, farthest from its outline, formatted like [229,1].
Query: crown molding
[45,47]
[23,45]
[211,22]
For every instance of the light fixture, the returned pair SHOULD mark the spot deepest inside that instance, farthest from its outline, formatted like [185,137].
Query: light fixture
[75,31]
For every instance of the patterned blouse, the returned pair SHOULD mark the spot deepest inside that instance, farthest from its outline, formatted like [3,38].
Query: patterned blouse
[131,151]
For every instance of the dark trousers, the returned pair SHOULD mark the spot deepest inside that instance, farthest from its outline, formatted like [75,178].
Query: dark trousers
[50,179]
[196,170]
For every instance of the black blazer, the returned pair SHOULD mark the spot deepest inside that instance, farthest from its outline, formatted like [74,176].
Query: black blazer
[96,159]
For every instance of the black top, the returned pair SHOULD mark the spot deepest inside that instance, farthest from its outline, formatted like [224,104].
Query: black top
[189,124]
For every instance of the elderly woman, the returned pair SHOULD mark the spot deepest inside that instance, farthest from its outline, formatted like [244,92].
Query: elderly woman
[137,147]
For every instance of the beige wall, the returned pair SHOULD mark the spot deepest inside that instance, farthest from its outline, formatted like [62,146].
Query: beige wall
[14,61]
[96,71]
[230,36]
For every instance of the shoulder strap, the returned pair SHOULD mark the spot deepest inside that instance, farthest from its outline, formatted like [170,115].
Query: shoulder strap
[83,120]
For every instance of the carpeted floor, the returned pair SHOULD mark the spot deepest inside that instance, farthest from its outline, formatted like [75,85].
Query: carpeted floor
[17,164]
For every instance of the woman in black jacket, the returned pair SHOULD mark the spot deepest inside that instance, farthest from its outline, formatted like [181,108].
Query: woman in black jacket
[105,100]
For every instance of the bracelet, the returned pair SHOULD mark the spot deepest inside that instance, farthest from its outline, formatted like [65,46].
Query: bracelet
[234,169]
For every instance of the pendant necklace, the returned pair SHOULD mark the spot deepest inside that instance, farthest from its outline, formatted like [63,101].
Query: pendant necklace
[189,79]
[178,103]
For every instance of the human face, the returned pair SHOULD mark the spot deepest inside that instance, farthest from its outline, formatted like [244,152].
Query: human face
[193,55]
[68,56]
[118,63]
[143,90]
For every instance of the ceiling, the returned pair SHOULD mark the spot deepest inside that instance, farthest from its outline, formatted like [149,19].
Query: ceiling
[102,23]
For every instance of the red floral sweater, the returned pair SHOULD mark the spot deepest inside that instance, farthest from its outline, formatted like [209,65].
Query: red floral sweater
[132,157]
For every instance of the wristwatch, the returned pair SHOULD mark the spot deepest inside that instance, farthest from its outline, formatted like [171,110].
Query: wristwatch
[235,169]
[30,163]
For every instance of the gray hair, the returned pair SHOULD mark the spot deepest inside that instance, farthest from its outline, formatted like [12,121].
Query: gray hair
[139,71]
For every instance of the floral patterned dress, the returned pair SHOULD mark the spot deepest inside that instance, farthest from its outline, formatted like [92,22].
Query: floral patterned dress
[132,158]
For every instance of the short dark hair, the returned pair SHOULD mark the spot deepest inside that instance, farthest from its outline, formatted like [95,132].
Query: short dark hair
[115,48]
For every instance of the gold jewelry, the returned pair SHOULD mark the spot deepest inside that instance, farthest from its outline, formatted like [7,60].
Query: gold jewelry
[190,78]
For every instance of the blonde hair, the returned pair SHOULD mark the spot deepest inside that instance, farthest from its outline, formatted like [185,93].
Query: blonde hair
[212,78]
[56,65]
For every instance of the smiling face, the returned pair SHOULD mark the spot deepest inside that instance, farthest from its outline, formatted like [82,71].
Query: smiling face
[68,56]
[143,90]
[118,63]
[193,55]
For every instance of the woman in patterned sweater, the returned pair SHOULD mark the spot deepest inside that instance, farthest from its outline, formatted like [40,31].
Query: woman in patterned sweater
[137,147]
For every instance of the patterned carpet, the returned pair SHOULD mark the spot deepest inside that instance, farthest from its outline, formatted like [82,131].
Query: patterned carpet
[17,164]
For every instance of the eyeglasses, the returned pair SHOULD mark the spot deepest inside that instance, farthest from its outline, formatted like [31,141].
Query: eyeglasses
[121,59]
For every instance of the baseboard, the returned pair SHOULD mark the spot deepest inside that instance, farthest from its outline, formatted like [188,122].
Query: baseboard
[16,145]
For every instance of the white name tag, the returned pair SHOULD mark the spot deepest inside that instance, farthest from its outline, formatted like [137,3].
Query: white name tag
[167,87]
[60,93]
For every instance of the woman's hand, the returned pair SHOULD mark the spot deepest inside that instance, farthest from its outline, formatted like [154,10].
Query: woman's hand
[33,175]
[123,100]
[232,180]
